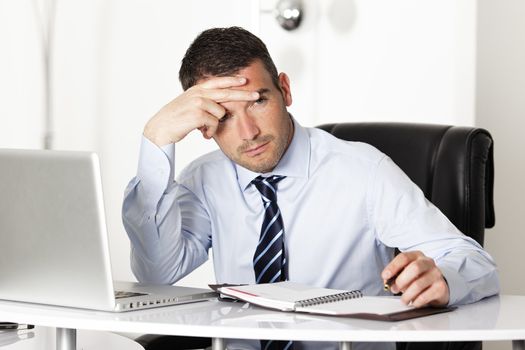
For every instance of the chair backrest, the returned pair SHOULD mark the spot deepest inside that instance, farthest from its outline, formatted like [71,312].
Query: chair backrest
[452,165]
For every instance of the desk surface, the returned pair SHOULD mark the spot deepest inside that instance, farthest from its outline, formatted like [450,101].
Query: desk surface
[496,318]
[44,338]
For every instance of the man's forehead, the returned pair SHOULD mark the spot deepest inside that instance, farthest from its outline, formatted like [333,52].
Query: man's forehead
[257,77]
[255,71]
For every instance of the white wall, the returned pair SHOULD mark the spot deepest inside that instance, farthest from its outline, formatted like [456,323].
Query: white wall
[500,108]
[21,76]
[407,61]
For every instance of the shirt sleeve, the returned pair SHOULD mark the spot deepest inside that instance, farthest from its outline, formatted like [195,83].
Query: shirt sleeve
[162,250]
[403,218]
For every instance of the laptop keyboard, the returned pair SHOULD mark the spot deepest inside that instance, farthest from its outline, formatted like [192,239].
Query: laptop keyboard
[119,294]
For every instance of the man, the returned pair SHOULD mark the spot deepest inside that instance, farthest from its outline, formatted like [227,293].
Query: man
[331,211]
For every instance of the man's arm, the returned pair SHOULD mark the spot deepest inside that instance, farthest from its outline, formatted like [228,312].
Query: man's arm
[161,252]
[438,265]
[154,205]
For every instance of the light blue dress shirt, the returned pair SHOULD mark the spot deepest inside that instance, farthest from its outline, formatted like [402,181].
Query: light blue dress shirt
[345,206]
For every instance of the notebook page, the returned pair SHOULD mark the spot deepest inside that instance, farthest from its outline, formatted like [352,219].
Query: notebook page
[368,305]
[281,295]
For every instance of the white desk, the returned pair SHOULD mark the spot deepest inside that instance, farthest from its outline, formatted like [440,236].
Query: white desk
[497,318]
[44,338]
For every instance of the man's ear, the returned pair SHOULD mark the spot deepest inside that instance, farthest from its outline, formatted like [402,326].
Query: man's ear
[284,82]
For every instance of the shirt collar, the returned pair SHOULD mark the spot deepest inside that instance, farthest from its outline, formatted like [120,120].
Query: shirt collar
[294,163]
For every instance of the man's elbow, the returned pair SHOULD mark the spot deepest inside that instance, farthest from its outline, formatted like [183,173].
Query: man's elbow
[150,273]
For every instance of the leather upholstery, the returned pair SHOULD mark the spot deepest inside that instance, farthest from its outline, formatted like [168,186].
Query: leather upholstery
[453,165]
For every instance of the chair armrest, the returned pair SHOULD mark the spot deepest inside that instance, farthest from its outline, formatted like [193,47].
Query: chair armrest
[170,342]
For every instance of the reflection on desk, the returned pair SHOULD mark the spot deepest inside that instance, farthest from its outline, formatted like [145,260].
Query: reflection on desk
[44,338]
[224,314]
[14,336]
[495,318]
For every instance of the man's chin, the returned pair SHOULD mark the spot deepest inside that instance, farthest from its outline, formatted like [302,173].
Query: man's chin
[260,166]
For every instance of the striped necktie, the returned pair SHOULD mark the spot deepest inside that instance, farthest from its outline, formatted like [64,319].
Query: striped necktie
[269,260]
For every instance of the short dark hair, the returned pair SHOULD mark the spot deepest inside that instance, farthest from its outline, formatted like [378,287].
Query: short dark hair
[223,52]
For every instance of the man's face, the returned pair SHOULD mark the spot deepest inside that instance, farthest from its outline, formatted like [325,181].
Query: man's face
[256,134]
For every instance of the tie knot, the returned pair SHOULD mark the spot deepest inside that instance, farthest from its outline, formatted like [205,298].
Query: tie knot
[267,186]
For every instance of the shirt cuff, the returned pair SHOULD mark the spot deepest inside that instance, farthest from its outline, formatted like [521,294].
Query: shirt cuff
[155,170]
[457,287]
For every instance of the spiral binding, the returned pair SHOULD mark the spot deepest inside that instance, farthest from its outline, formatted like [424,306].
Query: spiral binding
[354,294]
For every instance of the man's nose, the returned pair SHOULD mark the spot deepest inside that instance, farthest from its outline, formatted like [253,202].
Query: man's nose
[248,129]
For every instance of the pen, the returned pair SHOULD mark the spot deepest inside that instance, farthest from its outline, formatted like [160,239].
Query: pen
[389,282]
[14,325]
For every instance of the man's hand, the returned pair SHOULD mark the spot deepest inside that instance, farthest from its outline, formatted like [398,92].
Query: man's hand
[418,278]
[196,108]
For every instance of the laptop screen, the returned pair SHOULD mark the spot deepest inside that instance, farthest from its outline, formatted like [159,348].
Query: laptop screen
[54,242]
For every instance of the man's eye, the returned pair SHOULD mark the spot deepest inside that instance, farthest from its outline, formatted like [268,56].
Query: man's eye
[261,100]
[225,118]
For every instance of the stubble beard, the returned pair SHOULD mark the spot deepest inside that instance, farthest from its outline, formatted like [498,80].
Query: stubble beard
[262,163]
[271,156]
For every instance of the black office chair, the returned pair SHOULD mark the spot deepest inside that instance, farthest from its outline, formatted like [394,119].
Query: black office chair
[452,165]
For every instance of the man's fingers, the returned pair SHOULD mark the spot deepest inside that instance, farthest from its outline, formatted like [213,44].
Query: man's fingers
[418,284]
[222,89]
[436,293]
[206,106]
[411,272]
[210,130]
[222,82]
[229,95]
[398,264]
[208,125]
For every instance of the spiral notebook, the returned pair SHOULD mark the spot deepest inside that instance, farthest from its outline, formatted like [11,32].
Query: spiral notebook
[294,297]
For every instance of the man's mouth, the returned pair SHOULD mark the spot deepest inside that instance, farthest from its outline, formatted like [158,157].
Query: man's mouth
[254,151]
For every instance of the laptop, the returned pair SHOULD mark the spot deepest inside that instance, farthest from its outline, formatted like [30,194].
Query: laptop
[53,238]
